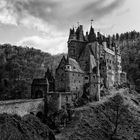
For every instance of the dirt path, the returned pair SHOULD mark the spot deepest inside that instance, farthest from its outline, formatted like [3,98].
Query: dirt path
[103,99]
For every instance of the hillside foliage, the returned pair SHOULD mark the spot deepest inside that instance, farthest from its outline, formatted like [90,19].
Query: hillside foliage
[129,43]
[117,118]
[29,127]
[19,66]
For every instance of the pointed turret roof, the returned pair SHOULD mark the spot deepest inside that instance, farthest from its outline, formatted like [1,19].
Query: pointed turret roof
[79,33]
[92,35]
[91,30]
[72,34]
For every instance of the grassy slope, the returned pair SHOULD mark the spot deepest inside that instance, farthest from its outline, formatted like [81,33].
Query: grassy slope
[96,121]
[13,127]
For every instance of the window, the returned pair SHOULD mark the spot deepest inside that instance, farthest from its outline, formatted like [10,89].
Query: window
[109,67]
[86,78]
[94,76]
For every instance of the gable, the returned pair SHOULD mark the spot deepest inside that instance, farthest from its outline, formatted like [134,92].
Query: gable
[62,63]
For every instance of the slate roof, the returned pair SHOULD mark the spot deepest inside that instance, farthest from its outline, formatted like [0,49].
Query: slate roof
[89,53]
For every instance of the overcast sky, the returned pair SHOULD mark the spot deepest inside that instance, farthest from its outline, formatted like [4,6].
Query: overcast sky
[44,24]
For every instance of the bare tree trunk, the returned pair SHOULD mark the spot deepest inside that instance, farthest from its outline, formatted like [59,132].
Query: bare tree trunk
[116,124]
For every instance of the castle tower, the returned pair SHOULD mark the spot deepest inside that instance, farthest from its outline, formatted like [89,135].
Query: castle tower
[72,35]
[76,42]
[79,33]
[92,35]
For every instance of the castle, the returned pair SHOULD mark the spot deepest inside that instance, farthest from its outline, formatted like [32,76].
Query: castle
[92,64]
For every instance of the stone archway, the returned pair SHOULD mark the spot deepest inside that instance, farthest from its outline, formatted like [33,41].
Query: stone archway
[39,88]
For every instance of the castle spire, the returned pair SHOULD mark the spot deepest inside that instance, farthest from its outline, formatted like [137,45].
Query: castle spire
[78,23]
[79,33]
[91,22]
[72,34]
[92,35]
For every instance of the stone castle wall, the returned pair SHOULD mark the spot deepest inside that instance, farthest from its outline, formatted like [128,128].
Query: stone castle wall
[76,82]
[22,107]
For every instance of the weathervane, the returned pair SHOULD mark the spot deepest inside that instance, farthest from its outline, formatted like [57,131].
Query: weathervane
[78,23]
[91,21]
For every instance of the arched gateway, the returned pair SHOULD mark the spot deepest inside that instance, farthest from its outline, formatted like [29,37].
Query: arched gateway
[39,88]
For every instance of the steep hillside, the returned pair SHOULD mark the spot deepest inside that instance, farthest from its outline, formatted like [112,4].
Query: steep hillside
[13,127]
[116,117]
[129,43]
[18,67]
[131,61]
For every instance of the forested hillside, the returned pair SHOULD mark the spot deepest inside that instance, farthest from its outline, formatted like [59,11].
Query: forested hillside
[18,66]
[129,43]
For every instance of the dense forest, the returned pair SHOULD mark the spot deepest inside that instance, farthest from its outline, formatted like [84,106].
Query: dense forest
[129,43]
[18,67]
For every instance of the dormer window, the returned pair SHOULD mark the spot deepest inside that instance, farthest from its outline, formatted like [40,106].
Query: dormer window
[68,67]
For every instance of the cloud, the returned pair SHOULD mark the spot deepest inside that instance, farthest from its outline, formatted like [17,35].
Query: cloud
[60,14]
[101,9]
[53,18]
[13,12]
[52,45]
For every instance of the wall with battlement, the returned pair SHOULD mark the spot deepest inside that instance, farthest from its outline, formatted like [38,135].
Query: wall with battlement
[22,107]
